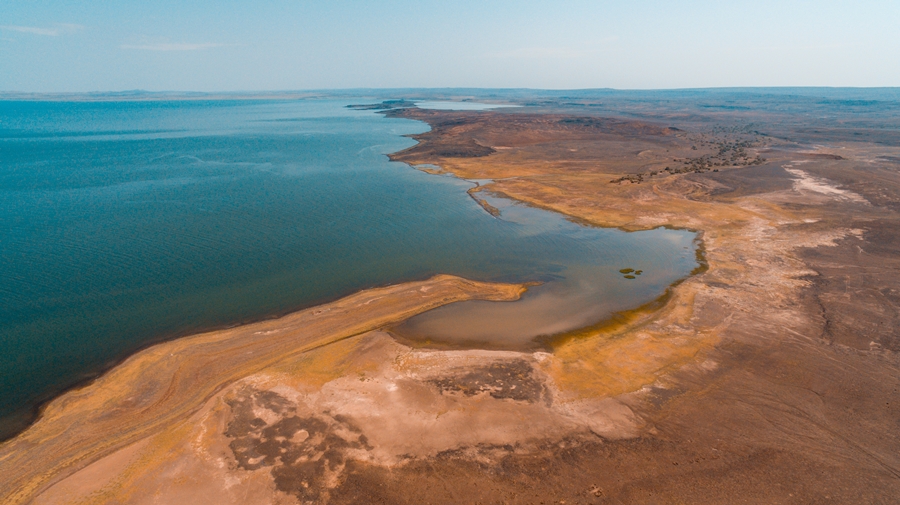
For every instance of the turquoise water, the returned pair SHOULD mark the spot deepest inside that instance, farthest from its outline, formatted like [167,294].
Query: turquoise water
[122,224]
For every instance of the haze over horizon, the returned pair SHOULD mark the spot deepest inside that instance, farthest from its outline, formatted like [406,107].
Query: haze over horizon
[59,46]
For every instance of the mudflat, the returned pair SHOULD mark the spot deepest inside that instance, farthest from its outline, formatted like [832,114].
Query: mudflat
[770,377]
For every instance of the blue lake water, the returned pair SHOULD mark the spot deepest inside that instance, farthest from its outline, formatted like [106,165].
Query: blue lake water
[122,224]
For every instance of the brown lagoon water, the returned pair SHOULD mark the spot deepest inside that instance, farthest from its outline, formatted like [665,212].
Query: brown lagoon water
[122,224]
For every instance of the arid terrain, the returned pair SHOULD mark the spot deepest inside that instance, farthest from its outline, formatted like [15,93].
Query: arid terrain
[772,375]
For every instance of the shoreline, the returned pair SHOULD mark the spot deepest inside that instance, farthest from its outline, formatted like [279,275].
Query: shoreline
[617,321]
[37,409]
[35,412]
[629,319]
[55,407]
[65,433]
[742,379]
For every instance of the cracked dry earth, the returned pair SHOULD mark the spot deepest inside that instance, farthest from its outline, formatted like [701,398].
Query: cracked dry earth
[770,377]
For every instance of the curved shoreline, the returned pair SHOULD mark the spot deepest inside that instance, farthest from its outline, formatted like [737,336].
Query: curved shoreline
[38,406]
[614,322]
[118,378]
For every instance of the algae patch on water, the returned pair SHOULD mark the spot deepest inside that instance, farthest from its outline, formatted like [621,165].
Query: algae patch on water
[630,273]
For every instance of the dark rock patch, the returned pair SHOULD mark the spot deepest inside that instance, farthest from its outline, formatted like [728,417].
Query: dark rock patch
[304,452]
[512,380]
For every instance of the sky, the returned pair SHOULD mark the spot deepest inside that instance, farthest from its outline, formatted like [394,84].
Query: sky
[228,45]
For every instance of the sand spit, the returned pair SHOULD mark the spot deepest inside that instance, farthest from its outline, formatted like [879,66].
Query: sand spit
[157,390]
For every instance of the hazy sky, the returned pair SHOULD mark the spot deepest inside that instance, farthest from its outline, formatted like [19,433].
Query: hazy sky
[222,45]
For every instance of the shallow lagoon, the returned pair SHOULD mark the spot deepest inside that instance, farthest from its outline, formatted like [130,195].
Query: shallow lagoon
[586,287]
[122,224]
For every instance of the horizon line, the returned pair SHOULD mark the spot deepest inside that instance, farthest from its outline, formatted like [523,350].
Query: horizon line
[138,94]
